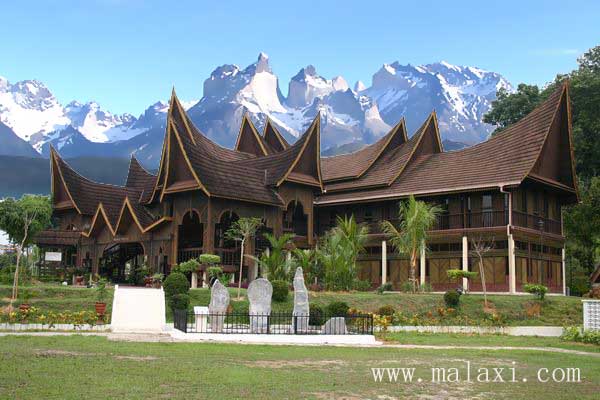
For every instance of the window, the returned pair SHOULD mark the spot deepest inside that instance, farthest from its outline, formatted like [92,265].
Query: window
[486,202]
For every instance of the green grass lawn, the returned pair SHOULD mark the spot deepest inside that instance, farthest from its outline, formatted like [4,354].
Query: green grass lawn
[92,367]
[55,297]
[555,310]
[458,339]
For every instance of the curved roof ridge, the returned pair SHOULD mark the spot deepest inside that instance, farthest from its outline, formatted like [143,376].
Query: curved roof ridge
[357,163]
[255,138]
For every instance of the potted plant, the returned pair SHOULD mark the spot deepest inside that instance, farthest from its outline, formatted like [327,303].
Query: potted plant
[101,297]
[25,297]
[78,276]
[157,280]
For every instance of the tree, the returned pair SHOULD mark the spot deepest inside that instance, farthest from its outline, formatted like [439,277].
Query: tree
[479,247]
[273,263]
[416,218]
[457,275]
[21,220]
[242,230]
[509,108]
[306,259]
[339,251]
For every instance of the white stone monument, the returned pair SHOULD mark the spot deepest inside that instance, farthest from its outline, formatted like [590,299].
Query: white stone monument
[259,294]
[219,301]
[301,307]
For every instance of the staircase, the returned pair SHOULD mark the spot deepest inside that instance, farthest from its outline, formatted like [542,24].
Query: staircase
[138,310]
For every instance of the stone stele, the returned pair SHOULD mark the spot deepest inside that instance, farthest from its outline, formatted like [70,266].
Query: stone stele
[335,326]
[259,294]
[219,301]
[301,306]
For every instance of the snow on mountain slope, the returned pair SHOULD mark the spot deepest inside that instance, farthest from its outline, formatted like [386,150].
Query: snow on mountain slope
[349,118]
[28,108]
[231,91]
[460,96]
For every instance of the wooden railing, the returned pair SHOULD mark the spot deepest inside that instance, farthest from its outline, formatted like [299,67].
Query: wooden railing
[229,256]
[536,222]
[188,253]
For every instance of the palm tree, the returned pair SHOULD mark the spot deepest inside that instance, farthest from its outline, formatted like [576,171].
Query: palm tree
[242,230]
[273,262]
[416,218]
[339,250]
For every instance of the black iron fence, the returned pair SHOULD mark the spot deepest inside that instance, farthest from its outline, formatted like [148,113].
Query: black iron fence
[278,323]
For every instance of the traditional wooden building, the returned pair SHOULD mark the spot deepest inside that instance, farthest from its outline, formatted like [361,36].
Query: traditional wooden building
[507,191]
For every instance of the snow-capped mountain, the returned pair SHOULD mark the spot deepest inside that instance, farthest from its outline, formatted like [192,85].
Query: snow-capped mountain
[350,118]
[98,125]
[35,115]
[460,96]
[231,91]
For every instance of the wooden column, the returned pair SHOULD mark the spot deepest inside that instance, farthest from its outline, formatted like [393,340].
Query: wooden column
[512,275]
[422,263]
[564,273]
[209,230]
[383,262]
[465,261]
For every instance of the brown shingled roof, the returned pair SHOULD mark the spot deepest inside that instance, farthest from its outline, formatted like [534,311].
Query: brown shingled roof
[87,194]
[215,167]
[279,166]
[390,164]
[353,165]
[273,138]
[505,159]
[249,141]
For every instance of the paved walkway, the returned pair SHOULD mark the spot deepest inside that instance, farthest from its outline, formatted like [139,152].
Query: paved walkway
[165,337]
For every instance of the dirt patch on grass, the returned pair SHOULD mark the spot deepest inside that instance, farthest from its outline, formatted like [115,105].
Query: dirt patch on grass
[63,353]
[66,353]
[136,358]
[336,396]
[277,364]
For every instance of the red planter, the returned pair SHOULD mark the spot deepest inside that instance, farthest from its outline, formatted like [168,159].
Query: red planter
[100,308]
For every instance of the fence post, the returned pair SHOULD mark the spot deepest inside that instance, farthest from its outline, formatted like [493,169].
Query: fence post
[295,322]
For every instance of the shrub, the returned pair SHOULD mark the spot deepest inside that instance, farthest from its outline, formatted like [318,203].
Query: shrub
[209,259]
[452,298]
[362,286]
[574,334]
[387,310]
[386,287]
[337,309]
[214,272]
[425,287]
[317,315]
[189,266]
[179,302]
[315,287]
[281,290]
[406,287]
[176,283]
[537,290]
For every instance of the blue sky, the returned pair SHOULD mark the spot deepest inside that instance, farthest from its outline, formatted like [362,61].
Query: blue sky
[127,54]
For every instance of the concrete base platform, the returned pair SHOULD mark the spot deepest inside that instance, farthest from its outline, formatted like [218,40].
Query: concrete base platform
[301,340]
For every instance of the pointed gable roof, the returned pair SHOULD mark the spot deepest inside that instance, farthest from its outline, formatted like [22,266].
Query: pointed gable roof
[556,162]
[505,159]
[84,193]
[392,162]
[100,220]
[248,140]
[354,165]
[217,168]
[273,138]
[300,163]
[140,179]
